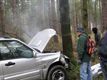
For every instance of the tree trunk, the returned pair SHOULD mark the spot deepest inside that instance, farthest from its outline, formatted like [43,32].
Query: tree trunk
[96,14]
[65,28]
[85,15]
[104,15]
[2,30]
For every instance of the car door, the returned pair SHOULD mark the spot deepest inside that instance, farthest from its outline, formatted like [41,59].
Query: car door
[1,72]
[1,68]
[18,62]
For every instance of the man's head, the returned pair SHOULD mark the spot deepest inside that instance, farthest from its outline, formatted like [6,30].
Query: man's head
[80,30]
[95,30]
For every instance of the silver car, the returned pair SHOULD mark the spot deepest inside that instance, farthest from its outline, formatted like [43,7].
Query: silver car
[96,70]
[21,61]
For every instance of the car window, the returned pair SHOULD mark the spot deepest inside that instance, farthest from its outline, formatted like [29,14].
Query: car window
[15,49]
[5,53]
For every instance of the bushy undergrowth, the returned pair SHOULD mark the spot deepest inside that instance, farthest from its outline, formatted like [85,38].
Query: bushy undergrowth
[73,73]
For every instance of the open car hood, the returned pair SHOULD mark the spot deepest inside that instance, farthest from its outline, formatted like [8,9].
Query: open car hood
[40,40]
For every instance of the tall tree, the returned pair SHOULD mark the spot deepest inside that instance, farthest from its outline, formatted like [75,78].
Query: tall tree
[104,15]
[65,27]
[85,15]
[1,18]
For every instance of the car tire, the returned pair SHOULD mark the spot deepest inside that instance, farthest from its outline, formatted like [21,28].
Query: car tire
[57,72]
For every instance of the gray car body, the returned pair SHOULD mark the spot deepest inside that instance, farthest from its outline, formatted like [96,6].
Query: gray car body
[35,68]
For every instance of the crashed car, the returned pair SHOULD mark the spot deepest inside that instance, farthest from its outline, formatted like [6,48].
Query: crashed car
[21,61]
[96,70]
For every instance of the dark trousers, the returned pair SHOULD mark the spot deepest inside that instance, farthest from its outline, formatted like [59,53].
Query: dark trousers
[104,68]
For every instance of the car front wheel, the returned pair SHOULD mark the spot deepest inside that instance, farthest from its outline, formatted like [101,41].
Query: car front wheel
[57,72]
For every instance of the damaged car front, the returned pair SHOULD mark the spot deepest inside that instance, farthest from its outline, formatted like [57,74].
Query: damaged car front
[96,70]
[54,64]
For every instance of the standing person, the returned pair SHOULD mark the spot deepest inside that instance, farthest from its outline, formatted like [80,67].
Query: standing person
[84,58]
[103,55]
[97,38]
[96,35]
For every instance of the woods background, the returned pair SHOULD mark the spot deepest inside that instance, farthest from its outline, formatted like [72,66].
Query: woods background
[24,18]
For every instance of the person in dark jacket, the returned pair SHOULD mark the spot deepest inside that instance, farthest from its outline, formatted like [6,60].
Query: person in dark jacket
[96,35]
[84,58]
[97,38]
[103,55]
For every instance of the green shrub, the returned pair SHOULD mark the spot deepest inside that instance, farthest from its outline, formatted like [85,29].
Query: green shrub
[73,74]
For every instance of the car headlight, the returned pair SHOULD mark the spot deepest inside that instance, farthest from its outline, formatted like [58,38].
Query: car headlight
[62,59]
[65,60]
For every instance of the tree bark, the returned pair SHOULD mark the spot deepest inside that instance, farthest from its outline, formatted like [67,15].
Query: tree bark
[104,15]
[65,28]
[2,30]
[85,15]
